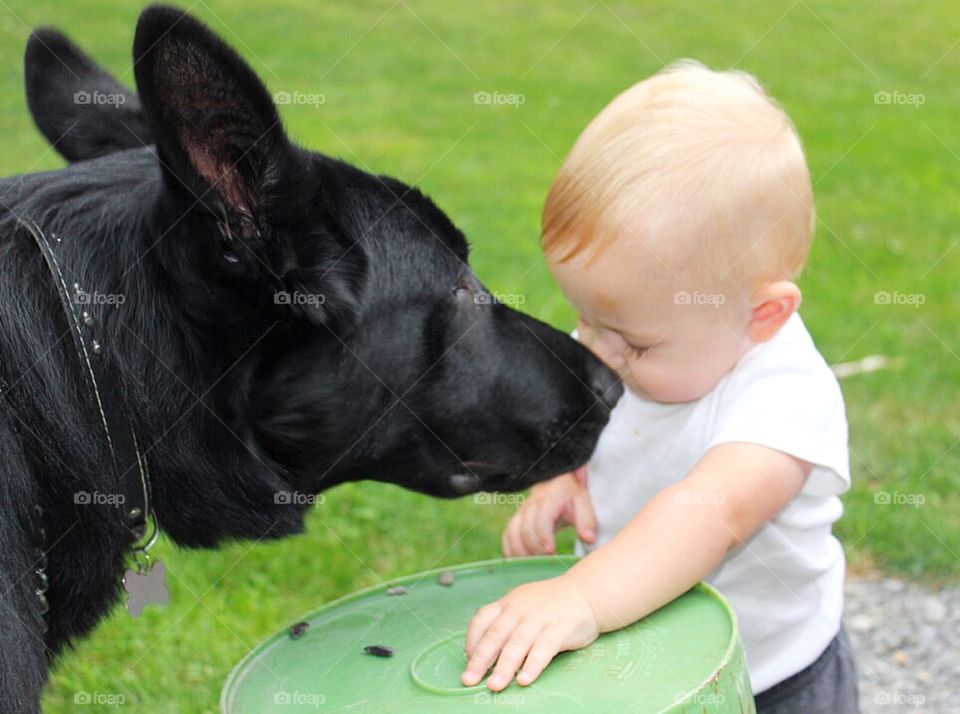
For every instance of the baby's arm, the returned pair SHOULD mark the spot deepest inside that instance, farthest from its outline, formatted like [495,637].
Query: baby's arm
[675,540]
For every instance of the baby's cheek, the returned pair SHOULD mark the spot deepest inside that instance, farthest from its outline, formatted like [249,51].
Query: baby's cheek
[677,382]
[654,377]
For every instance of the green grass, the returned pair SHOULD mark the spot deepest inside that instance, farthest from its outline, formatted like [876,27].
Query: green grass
[398,82]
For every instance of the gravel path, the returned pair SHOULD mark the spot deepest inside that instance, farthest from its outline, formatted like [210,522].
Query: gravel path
[906,638]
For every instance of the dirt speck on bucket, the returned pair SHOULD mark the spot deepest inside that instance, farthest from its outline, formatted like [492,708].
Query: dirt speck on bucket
[299,630]
[379,650]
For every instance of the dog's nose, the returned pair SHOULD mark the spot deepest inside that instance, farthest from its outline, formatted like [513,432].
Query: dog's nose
[605,384]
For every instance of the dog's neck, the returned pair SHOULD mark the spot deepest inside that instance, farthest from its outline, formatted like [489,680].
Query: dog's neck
[130,464]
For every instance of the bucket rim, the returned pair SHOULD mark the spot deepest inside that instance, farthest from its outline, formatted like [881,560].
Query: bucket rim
[236,673]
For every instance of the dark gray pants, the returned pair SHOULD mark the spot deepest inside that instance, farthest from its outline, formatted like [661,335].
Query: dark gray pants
[828,686]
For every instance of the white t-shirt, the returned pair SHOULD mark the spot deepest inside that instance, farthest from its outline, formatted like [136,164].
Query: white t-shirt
[786,582]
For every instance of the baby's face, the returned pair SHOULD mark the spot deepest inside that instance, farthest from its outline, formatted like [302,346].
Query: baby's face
[668,341]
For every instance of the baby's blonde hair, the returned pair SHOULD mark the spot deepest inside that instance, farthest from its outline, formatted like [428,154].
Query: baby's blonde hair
[707,157]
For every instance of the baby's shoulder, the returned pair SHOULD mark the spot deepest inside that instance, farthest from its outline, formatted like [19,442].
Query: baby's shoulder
[789,359]
[781,384]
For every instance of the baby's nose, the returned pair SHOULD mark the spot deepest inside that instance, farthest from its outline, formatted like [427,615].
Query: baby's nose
[608,346]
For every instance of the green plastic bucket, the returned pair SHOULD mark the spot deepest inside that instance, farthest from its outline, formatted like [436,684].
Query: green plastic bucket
[686,657]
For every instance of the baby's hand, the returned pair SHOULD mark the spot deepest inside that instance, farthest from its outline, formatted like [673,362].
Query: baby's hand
[557,503]
[528,627]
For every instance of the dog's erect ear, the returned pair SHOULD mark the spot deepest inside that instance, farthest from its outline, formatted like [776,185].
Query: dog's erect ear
[80,109]
[217,130]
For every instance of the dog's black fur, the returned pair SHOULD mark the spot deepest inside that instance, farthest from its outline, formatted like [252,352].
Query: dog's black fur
[405,372]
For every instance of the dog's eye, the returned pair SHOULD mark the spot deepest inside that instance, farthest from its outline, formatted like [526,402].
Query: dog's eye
[462,292]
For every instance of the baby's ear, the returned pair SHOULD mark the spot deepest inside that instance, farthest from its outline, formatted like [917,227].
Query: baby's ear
[772,305]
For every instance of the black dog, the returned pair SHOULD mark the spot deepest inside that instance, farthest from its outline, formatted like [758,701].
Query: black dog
[273,320]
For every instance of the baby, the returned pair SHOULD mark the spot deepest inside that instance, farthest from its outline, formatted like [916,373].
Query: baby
[676,227]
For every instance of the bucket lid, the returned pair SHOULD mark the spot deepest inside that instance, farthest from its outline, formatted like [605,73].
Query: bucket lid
[650,666]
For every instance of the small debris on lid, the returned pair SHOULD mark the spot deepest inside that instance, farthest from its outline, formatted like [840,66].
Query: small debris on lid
[299,630]
[397,590]
[379,650]
[445,578]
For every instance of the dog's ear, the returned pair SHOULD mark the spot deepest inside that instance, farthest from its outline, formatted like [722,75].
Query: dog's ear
[217,130]
[80,109]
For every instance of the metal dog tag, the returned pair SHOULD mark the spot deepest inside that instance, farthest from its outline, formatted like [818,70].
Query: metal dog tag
[147,585]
